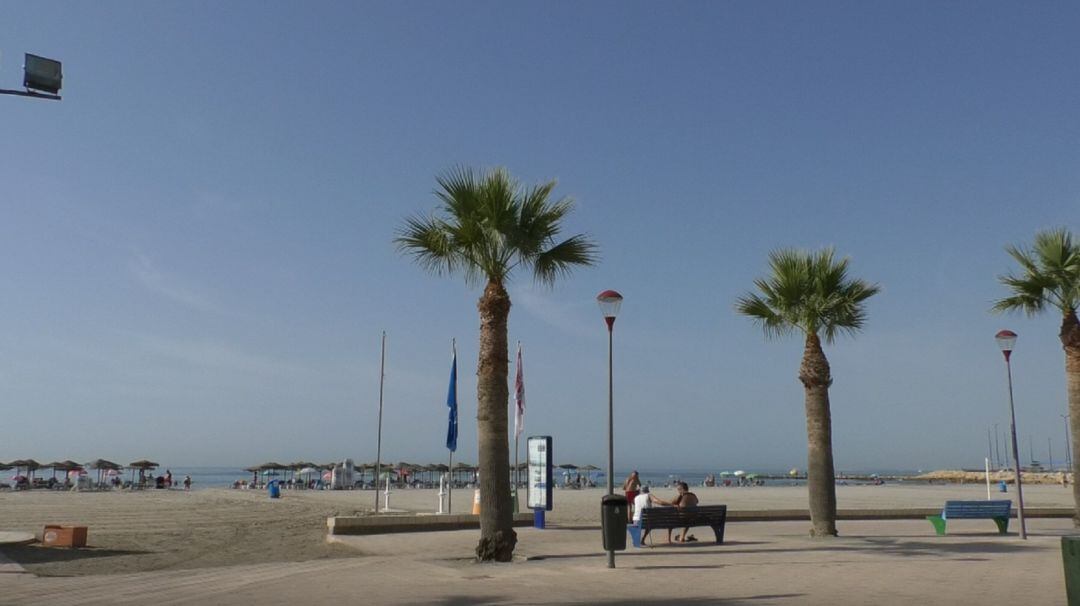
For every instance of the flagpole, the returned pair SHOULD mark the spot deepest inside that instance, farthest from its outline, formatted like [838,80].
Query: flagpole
[517,428]
[450,490]
[378,447]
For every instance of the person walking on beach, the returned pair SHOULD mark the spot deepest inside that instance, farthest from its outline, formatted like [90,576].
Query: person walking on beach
[187,482]
[631,487]
[685,501]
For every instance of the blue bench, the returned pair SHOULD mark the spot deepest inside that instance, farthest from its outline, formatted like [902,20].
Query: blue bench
[998,511]
[652,518]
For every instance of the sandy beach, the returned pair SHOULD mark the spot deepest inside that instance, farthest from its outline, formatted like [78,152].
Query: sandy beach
[172,529]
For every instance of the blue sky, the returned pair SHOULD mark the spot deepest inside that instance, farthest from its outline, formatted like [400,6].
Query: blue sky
[196,255]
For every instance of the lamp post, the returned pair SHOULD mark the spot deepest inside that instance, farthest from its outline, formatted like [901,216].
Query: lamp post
[1068,451]
[1005,340]
[610,301]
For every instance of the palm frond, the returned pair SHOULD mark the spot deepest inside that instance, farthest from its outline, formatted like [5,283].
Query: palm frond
[560,260]
[430,242]
[771,321]
[490,225]
[809,291]
[1049,275]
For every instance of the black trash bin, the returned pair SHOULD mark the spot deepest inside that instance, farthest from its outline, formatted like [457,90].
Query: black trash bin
[613,522]
[1070,559]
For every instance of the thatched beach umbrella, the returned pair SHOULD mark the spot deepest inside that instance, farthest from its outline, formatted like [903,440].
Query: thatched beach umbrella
[271,469]
[101,465]
[462,467]
[64,466]
[143,465]
[30,465]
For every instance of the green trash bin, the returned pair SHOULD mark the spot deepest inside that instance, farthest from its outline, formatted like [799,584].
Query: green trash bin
[1070,559]
[613,522]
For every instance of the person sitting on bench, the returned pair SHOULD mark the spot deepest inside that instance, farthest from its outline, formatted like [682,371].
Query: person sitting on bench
[684,501]
[643,501]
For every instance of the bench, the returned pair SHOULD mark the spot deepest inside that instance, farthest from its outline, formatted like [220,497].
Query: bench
[652,518]
[998,511]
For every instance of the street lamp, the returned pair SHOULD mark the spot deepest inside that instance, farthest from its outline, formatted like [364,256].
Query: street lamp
[610,301]
[1005,340]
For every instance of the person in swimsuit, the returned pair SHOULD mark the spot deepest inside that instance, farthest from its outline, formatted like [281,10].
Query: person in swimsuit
[685,501]
[631,487]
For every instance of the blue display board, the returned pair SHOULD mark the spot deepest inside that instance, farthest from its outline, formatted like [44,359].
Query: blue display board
[540,476]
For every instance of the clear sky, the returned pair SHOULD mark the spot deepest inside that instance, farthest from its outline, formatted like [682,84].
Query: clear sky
[196,251]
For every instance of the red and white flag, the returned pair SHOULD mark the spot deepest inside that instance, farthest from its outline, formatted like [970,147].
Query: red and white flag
[519,396]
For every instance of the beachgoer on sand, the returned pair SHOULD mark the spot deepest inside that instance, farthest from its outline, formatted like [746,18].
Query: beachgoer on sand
[685,501]
[631,487]
[187,482]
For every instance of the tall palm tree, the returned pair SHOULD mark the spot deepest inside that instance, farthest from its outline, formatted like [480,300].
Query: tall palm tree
[490,226]
[810,293]
[1050,278]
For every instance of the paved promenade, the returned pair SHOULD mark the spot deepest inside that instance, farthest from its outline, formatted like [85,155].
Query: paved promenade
[761,564]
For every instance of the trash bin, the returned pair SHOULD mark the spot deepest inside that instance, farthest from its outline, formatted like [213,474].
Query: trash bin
[1070,559]
[274,489]
[613,522]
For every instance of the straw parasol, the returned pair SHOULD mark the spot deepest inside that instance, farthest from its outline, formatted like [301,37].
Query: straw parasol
[65,466]
[30,465]
[101,465]
[143,465]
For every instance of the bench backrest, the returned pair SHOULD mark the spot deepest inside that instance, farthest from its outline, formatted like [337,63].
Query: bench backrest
[706,514]
[956,510]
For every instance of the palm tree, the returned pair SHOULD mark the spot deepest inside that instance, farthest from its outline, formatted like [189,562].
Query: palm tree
[491,226]
[1050,278]
[811,293]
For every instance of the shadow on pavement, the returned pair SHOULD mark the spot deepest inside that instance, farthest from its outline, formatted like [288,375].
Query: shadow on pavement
[469,600]
[34,554]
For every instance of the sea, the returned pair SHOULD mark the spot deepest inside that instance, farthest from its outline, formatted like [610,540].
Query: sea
[224,477]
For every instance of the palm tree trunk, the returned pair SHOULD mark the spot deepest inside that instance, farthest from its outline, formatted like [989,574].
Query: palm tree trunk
[820,477]
[497,536]
[1070,342]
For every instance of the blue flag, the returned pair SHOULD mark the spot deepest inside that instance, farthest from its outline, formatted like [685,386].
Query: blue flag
[451,403]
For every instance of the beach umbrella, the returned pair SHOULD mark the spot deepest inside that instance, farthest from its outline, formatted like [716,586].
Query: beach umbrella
[142,465]
[55,466]
[101,465]
[794,472]
[461,467]
[568,466]
[30,465]
[739,473]
[725,474]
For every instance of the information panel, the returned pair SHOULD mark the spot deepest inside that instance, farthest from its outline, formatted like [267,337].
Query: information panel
[540,472]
